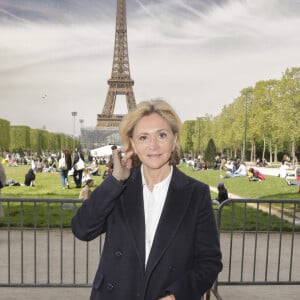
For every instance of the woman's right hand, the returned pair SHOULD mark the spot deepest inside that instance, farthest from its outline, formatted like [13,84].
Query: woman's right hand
[122,161]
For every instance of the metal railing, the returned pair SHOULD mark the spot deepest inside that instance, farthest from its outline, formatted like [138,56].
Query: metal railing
[258,243]
[46,255]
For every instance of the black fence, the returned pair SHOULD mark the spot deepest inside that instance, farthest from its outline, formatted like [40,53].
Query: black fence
[260,242]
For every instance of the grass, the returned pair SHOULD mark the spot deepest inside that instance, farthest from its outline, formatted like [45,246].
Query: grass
[37,215]
[48,186]
[271,188]
[239,217]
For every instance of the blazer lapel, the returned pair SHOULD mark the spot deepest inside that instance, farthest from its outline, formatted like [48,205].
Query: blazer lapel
[134,211]
[174,209]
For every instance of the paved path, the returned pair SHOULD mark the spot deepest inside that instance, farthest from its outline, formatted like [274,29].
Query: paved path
[227,293]
[230,292]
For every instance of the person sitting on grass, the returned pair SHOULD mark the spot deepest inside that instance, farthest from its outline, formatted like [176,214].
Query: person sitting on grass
[255,175]
[85,175]
[86,190]
[283,169]
[222,194]
[94,171]
[197,165]
[29,178]
[240,171]
[297,182]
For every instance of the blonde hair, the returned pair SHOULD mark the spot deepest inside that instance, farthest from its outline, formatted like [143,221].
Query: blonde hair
[146,108]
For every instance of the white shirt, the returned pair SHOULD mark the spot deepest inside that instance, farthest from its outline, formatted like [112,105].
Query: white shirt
[241,170]
[283,170]
[153,205]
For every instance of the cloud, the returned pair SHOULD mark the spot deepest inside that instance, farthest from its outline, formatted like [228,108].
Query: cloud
[197,53]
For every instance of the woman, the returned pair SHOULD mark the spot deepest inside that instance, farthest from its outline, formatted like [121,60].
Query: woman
[161,236]
[29,178]
[222,192]
[283,169]
[65,165]
[77,175]
[255,175]
[2,184]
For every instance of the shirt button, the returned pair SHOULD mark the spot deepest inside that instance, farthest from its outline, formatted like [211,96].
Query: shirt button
[118,253]
[172,268]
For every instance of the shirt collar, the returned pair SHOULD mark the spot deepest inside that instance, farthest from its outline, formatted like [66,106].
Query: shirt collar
[165,182]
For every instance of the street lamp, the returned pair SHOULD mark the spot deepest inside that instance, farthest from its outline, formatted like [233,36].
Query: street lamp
[81,122]
[74,114]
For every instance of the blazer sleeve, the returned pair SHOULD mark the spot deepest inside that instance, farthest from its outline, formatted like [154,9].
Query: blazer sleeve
[207,255]
[90,219]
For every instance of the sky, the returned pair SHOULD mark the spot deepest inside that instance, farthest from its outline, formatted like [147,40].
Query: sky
[56,55]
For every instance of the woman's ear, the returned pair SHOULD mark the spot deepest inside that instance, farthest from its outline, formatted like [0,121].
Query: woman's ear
[133,146]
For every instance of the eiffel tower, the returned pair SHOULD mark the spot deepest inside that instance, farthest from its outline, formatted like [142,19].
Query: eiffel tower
[120,82]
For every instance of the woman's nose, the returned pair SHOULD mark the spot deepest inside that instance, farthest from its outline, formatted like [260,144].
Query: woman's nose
[153,142]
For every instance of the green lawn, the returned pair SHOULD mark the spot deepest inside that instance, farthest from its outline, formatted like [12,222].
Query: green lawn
[48,186]
[271,188]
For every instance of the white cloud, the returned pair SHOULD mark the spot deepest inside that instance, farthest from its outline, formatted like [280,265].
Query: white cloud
[198,54]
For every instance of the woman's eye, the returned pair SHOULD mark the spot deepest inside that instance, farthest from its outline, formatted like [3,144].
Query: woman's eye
[162,135]
[142,138]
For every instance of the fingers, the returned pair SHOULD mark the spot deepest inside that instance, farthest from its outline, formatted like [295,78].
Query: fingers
[125,157]
[122,163]
[115,157]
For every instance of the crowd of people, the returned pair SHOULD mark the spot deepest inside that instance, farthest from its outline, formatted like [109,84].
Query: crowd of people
[73,169]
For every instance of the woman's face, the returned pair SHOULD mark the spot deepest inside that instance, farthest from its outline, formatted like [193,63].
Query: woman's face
[153,141]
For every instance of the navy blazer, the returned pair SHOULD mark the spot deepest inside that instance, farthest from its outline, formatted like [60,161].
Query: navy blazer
[185,257]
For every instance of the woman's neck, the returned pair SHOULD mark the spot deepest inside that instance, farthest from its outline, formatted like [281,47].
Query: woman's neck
[154,176]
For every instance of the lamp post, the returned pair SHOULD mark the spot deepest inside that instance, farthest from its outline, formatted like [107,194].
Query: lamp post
[74,114]
[81,122]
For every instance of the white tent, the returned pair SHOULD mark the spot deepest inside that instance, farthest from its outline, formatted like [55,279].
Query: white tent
[102,151]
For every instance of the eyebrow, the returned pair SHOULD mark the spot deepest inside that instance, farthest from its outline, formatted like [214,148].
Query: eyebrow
[159,130]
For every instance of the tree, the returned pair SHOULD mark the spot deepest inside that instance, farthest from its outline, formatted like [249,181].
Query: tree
[186,141]
[4,135]
[20,138]
[290,94]
[201,133]
[210,152]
